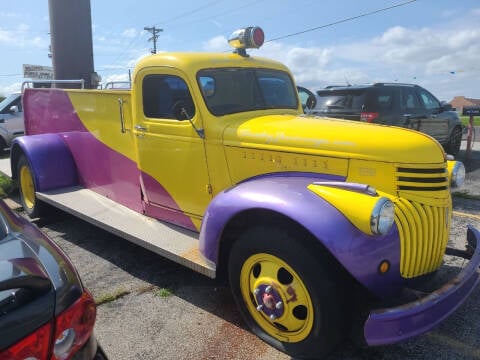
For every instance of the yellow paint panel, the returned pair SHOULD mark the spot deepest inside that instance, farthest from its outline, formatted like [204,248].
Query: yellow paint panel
[244,163]
[377,174]
[99,112]
[357,207]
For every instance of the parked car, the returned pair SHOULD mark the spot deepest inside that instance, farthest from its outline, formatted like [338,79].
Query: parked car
[45,311]
[404,105]
[11,120]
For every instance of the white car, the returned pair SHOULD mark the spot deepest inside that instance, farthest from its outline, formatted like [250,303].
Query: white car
[11,120]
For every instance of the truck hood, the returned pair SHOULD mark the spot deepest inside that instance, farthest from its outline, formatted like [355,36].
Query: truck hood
[334,138]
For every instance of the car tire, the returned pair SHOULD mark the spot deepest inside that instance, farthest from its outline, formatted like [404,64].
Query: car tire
[3,146]
[26,184]
[453,145]
[301,314]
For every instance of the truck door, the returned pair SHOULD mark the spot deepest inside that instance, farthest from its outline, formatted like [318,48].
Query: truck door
[171,153]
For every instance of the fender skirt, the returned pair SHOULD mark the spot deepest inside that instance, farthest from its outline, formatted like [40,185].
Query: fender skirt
[49,158]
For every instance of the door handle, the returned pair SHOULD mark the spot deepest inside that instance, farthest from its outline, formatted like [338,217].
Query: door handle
[122,118]
[140,128]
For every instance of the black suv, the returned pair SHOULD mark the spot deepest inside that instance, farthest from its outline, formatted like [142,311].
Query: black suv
[404,105]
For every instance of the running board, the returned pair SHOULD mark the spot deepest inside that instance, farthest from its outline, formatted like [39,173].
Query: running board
[170,241]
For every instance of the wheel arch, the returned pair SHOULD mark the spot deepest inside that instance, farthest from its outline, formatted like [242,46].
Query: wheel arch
[49,158]
[284,200]
[256,217]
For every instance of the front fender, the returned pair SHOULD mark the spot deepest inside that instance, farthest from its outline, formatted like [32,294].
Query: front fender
[358,252]
[49,158]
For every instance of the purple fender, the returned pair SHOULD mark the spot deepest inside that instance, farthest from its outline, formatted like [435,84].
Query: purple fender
[287,194]
[49,158]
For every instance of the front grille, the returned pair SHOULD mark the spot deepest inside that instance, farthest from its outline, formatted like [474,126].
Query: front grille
[422,215]
[424,232]
[422,179]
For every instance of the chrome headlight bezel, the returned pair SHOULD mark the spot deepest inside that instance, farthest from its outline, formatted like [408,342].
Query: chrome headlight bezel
[458,175]
[382,217]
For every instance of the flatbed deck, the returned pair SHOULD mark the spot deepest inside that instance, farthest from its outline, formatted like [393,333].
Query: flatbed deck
[170,241]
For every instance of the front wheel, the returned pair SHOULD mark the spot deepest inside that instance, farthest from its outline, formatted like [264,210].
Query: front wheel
[453,145]
[285,293]
[32,206]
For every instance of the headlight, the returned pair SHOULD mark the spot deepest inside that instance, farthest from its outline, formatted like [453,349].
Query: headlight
[458,174]
[383,216]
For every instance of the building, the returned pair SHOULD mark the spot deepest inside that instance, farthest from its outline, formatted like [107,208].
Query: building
[459,102]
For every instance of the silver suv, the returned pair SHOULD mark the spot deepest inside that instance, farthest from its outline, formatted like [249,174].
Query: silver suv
[11,120]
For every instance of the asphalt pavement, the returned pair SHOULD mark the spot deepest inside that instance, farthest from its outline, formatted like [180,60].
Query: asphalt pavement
[151,308]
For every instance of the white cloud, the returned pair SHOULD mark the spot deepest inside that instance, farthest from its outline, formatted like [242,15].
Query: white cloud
[20,37]
[6,90]
[218,43]
[130,33]
[444,59]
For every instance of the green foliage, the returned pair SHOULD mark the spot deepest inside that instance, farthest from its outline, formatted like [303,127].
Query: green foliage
[163,292]
[6,186]
[109,297]
[465,119]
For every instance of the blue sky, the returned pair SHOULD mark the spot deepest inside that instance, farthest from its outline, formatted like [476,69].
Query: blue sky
[434,43]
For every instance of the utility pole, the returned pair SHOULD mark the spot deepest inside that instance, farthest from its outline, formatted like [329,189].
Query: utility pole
[154,37]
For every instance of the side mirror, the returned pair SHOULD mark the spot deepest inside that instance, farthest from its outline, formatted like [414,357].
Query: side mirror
[307,98]
[13,109]
[444,106]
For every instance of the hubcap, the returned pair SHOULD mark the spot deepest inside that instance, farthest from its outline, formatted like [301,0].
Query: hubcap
[276,298]
[28,189]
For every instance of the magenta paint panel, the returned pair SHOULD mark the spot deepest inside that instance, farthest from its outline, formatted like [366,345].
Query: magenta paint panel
[99,167]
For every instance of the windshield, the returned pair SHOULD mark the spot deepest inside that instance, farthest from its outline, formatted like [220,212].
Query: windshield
[233,90]
[7,101]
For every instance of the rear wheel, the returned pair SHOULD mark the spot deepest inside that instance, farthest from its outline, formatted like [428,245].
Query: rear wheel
[453,145]
[285,292]
[32,206]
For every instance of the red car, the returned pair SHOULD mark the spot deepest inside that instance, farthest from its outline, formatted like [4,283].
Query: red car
[45,311]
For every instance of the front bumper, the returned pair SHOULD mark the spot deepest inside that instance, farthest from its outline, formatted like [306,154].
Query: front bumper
[390,325]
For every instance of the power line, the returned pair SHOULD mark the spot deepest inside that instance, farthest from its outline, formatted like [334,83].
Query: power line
[190,12]
[341,21]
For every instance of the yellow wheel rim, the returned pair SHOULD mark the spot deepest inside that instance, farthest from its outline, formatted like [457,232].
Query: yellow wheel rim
[27,187]
[276,298]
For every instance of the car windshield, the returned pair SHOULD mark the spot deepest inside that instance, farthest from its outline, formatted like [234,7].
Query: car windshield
[7,101]
[232,90]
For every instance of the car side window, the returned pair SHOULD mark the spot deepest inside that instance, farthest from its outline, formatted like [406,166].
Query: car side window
[428,100]
[409,99]
[167,97]
[384,100]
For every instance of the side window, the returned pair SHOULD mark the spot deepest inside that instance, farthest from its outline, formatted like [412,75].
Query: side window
[167,97]
[384,100]
[429,101]
[409,99]
[18,104]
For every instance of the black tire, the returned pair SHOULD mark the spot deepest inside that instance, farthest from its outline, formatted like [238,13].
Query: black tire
[453,145]
[3,146]
[321,326]
[26,185]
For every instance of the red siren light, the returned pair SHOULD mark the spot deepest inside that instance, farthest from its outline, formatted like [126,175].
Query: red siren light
[247,38]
